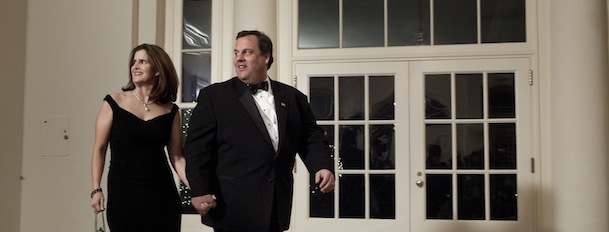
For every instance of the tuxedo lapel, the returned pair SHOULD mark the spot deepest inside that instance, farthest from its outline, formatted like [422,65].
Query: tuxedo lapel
[248,103]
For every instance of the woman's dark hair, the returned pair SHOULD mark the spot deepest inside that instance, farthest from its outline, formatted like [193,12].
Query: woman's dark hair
[165,89]
[264,44]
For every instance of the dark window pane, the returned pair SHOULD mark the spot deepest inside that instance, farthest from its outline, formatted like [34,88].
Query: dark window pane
[470,146]
[501,95]
[439,146]
[502,145]
[321,205]
[470,201]
[196,74]
[504,197]
[197,24]
[322,97]
[503,21]
[351,97]
[382,147]
[408,22]
[351,154]
[439,196]
[363,23]
[455,22]
[382,102]
[329,132]
[318,24]
[437,96]
[351,196]
[469,96]
[382,196]
[186,113]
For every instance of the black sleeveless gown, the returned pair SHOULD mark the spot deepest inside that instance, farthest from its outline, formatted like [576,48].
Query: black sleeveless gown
[142,195]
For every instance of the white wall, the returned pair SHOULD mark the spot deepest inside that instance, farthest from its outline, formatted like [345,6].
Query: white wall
[77,51]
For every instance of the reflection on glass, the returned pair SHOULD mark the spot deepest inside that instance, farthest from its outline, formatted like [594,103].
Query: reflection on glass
[351,98]
[382,102]
[363,23]
[502,145]
[382,147]
[439,146]
[351,149]
[382,196]
[437,96]
[503,21]
[318,24]
[469,96]
[455,22]
[184,191]
[321,97]
[197,24]
[351,196]
[408,22]
[504,197]
[470,146]
[439,196]
[186,113]
[196,74]
[329,132]
[321,205]
[501,95]
[470,201]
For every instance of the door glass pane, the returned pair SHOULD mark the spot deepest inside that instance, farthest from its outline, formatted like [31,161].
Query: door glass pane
[437,96]
[381,92]
[382,147]
[197,24]
[502,145]
[501,95]
[351,196]
[470,146]
[504,197]
[382,196]
[351,153]
[185,195]
[455,22]
[503,21]
[321,205]
[321,97]
[469,95]
[318,24]
[408,22]
[439,146]
[196,74]
[470,202]
[351,97]
[363,23]
[439,196]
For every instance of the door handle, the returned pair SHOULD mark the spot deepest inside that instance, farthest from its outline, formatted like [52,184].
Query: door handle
[420,183]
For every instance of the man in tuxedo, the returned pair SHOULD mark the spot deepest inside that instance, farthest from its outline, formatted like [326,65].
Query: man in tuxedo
[242,141]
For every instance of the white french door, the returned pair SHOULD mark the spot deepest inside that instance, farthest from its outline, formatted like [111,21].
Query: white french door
[420,146]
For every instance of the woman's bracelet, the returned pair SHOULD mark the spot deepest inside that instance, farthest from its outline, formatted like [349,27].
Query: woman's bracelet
[97,190]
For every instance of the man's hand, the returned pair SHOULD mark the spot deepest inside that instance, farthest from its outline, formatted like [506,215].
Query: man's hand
[203,204]
[325,179]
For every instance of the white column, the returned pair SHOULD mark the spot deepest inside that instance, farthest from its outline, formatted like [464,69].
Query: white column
[578,114]
[258,15]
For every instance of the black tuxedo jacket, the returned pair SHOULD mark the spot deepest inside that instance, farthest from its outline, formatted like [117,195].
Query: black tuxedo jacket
[230,154]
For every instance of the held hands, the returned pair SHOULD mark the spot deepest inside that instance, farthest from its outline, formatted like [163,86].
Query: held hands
[325,179]
[203,204]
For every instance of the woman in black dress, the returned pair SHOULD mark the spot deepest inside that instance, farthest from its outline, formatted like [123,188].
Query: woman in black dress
[139,124]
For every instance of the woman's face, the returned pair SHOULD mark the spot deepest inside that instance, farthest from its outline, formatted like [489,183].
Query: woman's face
[141,69]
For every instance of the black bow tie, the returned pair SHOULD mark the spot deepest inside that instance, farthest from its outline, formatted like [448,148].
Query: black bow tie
[262,86]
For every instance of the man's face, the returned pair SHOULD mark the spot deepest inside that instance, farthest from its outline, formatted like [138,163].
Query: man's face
[250,64]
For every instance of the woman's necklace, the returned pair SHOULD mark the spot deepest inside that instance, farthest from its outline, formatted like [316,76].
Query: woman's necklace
[145,104]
